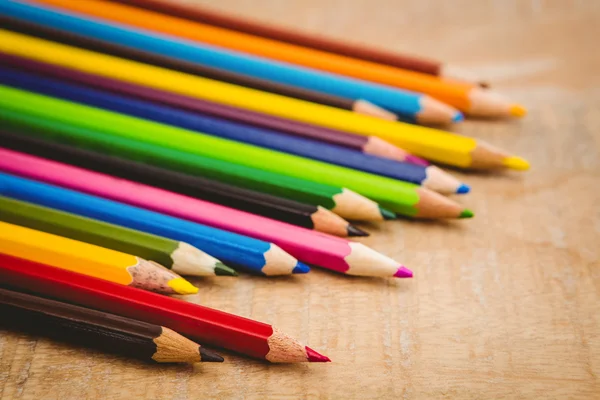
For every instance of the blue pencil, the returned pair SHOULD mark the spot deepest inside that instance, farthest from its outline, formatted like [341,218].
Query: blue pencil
[413,107]
[430,177]
[241,252]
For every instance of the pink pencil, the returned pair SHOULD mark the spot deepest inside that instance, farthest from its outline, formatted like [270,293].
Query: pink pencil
[306,245]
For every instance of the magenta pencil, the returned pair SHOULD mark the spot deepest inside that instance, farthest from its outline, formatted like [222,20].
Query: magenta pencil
[313,247]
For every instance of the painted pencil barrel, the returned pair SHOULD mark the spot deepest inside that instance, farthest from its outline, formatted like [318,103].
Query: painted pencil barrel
[400,101]
[214,126]
[236,250]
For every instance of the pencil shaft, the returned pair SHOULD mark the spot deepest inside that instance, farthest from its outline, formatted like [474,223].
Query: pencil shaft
[432,144]
[235,250]
[258,203]
[340,138]
[311,247]
[87,327]
[241,24]
[214,126]
[88,230]
[398,196]
[396,100]
[206,325]
[106,47]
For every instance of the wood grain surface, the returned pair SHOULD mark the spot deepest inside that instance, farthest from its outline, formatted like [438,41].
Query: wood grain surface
[504,306]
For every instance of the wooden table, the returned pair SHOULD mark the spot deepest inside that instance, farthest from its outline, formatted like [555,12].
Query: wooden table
[504,306]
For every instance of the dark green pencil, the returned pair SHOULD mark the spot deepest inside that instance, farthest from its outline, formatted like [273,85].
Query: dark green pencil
[179,256]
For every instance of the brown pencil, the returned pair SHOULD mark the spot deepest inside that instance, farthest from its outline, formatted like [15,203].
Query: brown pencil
[358,106]
[368,53]
[97,329]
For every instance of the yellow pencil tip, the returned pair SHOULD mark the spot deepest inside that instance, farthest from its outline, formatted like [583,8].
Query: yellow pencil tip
[517,163]
[518,110]
[181,286]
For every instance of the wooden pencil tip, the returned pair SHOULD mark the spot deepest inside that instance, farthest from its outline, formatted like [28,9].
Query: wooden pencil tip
[387,214]
[517,110]
[209,356]
[403,272]
[466,213]
[181,286]
[516,163]
[313,356]
[354,231]
[223,270]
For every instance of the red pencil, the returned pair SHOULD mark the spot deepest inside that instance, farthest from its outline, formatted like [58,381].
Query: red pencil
[313,247]
[206,325]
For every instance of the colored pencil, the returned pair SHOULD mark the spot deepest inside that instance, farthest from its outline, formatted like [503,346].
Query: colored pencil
[107,332]
[202,324]
[179,256]
[306,245]
[242,252]
[89,259]
[411,106]
[343,202]
[466,97]
[401,197]
[307,216]
[432,144]
[238,23]
[359,106]
[366,144]
[430,177]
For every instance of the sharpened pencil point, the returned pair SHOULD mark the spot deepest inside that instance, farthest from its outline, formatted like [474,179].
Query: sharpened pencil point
[301,268]
[517,110]
[516,163]
[223,270]
[210,356]
[466,213]
[458,117]
[313,356]
[387,214]
[181,286]
[403,272]
[463,189]
[354,231]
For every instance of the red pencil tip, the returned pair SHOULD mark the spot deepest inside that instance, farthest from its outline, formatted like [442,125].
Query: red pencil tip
[313,356]
[403,272]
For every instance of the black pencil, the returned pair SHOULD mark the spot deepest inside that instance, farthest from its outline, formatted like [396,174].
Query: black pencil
[104,331]
[65,37]
[293,212]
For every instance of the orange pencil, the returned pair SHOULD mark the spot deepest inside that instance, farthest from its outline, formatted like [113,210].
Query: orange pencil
[466,97]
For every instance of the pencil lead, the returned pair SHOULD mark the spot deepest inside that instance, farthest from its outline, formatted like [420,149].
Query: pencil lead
[463,189]
[516,163]
[403,272]
[458,117]
[387,214]
[301,268]
[209,356]
[517,110]
[466,213]
[181,286]
[313,356]
[223,270]
[354,231]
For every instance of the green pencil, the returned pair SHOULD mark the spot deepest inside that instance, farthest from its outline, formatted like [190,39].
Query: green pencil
[401,197]
[343,202]
[178,256]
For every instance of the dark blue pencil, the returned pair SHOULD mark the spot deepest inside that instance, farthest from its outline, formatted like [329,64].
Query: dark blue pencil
[238,251]
[430,177]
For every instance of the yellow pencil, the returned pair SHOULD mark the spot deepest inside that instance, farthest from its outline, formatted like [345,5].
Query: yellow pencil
[91,260]
[430,143]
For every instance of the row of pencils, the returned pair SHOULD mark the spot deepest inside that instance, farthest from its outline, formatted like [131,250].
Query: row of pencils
[141,141]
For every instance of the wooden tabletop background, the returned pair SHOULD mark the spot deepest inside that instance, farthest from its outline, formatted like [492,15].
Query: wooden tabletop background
[504,306]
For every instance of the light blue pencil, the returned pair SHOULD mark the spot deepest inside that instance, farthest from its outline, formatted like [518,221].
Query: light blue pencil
[237,251]
[413,107]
